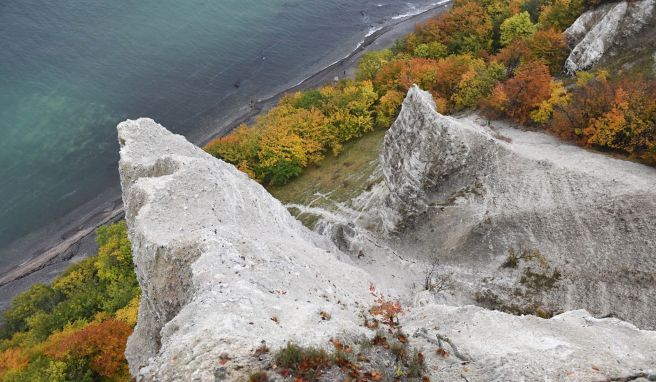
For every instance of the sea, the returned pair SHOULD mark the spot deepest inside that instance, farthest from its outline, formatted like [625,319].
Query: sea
[71,70]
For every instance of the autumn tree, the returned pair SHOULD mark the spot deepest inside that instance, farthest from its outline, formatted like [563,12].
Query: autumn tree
[533,8]
[516,27]
[388,108]
[549,46]
[434,50]
[589,100]
[39,298]
[299,131]
[85,293]
[611,115]
[287,143]
[371,63]
[560,14]
[99,346]
[559,98]
[388,77]
[114,265]
[513,55]
[349,109]
[466,28]
[12,358]
[522,94]
[476,84]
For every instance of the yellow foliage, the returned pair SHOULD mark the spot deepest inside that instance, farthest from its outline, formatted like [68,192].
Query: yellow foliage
[129,313]
[12,359]
[559,97]
[70,282]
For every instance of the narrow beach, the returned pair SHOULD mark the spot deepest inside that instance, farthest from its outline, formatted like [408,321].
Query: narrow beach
[54,248]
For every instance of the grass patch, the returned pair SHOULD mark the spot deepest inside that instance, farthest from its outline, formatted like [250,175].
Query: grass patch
[334,179]
[306,363]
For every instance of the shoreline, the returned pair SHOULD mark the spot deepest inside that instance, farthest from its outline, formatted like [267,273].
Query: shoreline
[388,34]
[53,252]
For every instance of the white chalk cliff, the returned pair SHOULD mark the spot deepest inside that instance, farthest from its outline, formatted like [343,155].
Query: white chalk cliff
[223,265]
[598,30]
[580,223]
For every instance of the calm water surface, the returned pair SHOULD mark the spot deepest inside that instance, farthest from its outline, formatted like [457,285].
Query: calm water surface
[71,70]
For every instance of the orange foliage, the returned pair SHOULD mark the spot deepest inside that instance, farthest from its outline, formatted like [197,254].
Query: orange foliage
[520,95]
[385,307]
[442,78]
[588,102]
[387,78]
[12,359]
[102,343]
[513,55]
[548,46]
[620,116]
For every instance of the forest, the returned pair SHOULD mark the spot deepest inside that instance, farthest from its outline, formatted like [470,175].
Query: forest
[75,329]
[502,58]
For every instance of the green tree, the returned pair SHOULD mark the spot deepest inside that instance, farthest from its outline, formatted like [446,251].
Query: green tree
[371,62]
[477,84]
[517,26]
[115,267]
[434,50]
[39,298]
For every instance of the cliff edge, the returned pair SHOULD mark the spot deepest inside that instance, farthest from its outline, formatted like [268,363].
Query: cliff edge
[524,223]
[224,268]
[222,265]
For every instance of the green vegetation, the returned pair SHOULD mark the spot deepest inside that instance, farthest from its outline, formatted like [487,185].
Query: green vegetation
[76,329]
[502,57]
[301,130]
[334,179]
[516,27]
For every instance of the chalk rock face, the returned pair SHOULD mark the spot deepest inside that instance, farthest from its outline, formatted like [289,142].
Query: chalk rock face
[595,32]
[526,221]
[498,347]
[222,265]
[419,152]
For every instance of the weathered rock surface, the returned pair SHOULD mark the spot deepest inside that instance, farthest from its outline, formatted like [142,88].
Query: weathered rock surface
[419,152]
[597,31]
[493,346]
[580,224]
[222,265]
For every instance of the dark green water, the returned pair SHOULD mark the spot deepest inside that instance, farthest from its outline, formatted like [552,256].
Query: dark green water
[71,70]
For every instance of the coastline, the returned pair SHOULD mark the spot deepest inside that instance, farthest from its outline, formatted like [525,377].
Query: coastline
[378,39]
[57,246]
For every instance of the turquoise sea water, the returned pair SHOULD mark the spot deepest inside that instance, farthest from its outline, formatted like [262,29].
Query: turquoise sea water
[70,70]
